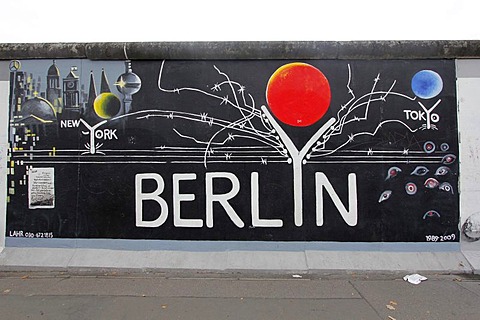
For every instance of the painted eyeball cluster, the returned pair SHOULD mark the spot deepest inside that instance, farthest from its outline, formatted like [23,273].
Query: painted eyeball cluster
[430,147]
[420,171]
[411,188]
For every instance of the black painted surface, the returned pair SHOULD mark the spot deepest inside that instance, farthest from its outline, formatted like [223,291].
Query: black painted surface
[95,194]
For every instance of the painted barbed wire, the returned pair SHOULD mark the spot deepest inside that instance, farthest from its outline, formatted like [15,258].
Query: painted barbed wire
[345,116]
[251,123]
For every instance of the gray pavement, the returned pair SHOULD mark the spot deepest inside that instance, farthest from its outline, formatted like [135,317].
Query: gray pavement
[229,295]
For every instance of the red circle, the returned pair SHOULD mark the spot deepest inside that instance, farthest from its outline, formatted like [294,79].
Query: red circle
[298,94]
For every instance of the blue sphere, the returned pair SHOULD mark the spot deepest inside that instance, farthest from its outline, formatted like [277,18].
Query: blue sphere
[427,84]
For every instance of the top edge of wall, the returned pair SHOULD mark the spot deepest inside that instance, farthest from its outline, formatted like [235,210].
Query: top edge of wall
[244,50]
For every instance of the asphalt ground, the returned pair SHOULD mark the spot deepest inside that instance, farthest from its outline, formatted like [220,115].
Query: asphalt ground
[235,295]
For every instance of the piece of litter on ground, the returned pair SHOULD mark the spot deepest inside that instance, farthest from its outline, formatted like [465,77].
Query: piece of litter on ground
[164,306]
[389,307]
[393,303]
[391,318]
[6,291]
[296,276]
[414,278]
[25,277]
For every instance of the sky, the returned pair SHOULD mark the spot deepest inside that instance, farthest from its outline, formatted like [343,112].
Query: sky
[246,20]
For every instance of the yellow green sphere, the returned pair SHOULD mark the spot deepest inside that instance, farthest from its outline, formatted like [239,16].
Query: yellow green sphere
[106,105]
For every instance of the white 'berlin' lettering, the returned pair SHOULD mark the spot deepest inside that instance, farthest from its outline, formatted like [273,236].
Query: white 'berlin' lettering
[322,183]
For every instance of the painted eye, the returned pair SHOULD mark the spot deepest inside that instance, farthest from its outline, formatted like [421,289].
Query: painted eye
[431,214]
[420,171]
[385,195]
[444,147]
[392,172]
[411,188]
[441,171]
[429,147]
[445,186]
[431,183]
[449,159]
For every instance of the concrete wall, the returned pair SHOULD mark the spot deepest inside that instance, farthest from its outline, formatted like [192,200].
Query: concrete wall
[371,245]
[4,80]
[323,150]
[468,74]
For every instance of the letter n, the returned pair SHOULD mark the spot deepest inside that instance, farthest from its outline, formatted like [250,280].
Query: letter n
[350,216]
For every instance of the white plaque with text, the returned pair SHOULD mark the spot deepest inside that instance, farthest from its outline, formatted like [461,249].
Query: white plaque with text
[41,188]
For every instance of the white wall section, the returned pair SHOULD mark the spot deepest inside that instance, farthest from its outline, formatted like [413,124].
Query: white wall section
[3,148]
[468,85]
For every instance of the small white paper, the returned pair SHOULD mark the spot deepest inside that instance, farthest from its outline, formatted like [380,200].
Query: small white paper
[414,278]
[41,188]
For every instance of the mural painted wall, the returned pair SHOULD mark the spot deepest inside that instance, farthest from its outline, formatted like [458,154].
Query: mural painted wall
[268,150]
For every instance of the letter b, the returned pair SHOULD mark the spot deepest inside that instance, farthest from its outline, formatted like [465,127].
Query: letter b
[140,196]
